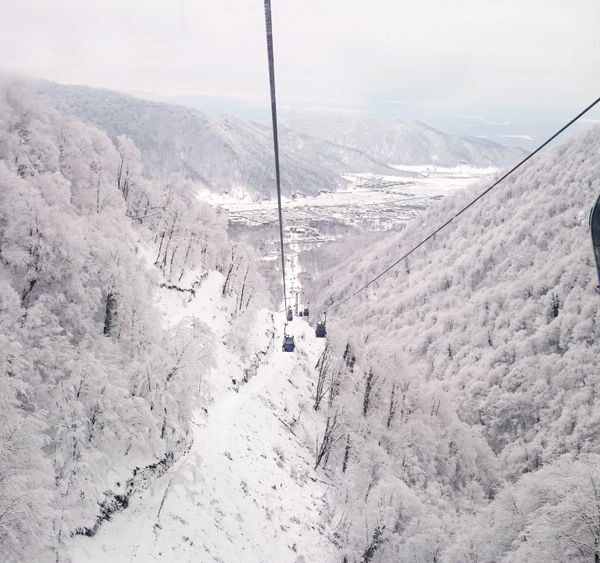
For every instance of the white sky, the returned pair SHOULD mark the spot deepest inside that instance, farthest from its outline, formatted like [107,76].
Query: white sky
[498,66]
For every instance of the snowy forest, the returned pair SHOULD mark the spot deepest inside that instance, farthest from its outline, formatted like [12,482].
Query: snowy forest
[290,281]
[464,384]
[148,411]
[97,390]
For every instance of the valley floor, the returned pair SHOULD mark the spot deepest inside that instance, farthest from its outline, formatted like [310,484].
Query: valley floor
[369,201]
[246,491]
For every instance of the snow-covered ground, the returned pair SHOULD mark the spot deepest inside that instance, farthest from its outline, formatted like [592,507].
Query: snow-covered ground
[247,490]
[370,201]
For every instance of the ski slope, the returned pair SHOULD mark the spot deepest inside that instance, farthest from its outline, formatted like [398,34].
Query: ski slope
[246,491]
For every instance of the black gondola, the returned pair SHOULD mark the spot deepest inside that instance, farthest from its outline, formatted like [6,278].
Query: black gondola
[288,343]
[320,331]
[306,311]
[595,231]
[290,314]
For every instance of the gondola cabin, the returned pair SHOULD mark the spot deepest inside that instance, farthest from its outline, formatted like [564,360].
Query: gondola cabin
[320,331]
[288,344]
[306,311]
[290,314]
[595,231]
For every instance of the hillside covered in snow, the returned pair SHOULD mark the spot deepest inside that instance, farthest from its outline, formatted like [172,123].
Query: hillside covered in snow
[407,142]
[229,154]
[467,379]
[119,296]
[147,412]
[223,152]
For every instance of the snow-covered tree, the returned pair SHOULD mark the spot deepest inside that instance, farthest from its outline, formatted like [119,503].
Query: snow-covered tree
[498,328]
[93,386]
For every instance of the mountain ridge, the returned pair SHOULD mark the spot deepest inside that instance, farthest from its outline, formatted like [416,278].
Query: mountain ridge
[224,152]
[398,141]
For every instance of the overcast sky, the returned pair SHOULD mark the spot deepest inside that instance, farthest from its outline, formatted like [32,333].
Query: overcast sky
[490,67]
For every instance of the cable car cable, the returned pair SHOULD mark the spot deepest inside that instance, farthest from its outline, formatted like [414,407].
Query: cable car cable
[465,208]
[269,28]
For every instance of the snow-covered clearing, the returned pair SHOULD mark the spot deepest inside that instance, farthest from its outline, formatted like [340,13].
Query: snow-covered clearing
[246,491]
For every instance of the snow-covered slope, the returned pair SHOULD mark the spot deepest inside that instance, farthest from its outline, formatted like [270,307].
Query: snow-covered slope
[222,151]
[97,396]
[227,153]
[246,491]
[476,381]
[147,411]
[407,142]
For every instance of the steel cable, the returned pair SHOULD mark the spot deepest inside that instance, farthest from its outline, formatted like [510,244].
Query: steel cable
[269,28]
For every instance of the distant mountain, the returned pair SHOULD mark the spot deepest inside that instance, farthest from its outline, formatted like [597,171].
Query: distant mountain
[407,142]
[226,153]
[223,152]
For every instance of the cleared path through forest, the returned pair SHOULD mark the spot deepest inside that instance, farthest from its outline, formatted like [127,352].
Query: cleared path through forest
[246,491]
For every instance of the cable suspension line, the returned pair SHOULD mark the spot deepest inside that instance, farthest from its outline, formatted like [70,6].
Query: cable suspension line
[465,208]
[269,28]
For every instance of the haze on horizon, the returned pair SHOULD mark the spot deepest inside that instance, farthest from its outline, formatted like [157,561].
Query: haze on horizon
[510,70]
